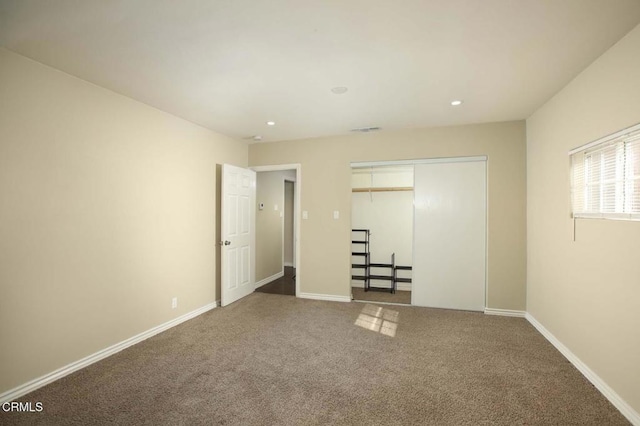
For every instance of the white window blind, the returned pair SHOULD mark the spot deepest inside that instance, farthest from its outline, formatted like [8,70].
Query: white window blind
[605,177]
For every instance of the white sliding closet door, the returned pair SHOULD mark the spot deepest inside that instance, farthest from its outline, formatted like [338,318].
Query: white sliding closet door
[450,208]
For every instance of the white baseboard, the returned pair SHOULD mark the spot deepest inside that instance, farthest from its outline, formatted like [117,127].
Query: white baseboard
[380,303]
[399,286]
[32,385]
[626,410]
[329,297]
[505,312]
[290,264]
[269,279]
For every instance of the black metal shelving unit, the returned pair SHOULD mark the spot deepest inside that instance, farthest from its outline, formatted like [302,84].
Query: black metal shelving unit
[383,277]
[397,279]
[361,248]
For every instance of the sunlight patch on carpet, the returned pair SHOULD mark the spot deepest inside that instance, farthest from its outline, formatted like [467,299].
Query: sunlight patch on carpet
[378,319]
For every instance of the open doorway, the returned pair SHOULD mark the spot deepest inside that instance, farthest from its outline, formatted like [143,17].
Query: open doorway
[276,226]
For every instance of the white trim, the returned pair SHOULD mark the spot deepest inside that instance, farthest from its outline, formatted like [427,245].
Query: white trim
[605,139]
[329,297]
[275,167]
[357,164]
[297,236]
[399,286]
[384,170]
[381,303]
[600,384]
[609,216]
[505,312]
[34,384]
[289,264]
[269,279]
[486,235]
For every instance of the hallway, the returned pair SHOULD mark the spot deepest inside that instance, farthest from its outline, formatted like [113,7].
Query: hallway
[285,285]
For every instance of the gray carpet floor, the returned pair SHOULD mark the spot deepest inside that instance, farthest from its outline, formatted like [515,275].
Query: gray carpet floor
[274,360]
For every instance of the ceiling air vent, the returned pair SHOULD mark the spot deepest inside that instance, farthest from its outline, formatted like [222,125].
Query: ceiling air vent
[366,129]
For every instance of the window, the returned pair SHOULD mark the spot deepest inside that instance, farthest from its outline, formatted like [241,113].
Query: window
[605,177]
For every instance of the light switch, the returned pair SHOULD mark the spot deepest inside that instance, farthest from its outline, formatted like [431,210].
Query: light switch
[281,214]
[305,214]
[336,214]
[275,207]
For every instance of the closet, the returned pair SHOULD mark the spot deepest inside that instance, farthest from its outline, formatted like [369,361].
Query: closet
[420,229]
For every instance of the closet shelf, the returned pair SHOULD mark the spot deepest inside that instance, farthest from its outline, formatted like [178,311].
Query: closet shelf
[381,277]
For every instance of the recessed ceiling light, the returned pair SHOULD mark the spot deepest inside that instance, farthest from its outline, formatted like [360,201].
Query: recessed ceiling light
[271,123]
[456,103]
[339,90]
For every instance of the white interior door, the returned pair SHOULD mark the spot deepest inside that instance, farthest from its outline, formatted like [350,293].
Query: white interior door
[450,209]
[238,233]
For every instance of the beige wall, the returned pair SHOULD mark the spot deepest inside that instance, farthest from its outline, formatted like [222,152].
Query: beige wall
[108,210]
[326,186]
[586,292]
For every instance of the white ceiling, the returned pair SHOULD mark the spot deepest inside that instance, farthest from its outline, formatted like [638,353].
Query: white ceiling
[231,65]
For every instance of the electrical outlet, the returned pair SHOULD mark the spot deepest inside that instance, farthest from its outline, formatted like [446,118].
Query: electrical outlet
[174,303]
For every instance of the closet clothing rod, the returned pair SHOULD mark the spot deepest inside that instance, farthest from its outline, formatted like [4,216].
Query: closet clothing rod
[403,188]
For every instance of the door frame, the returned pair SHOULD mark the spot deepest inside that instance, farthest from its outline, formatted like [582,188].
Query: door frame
[296,211]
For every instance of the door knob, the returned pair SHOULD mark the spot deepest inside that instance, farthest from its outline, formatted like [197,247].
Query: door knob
[227,242]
